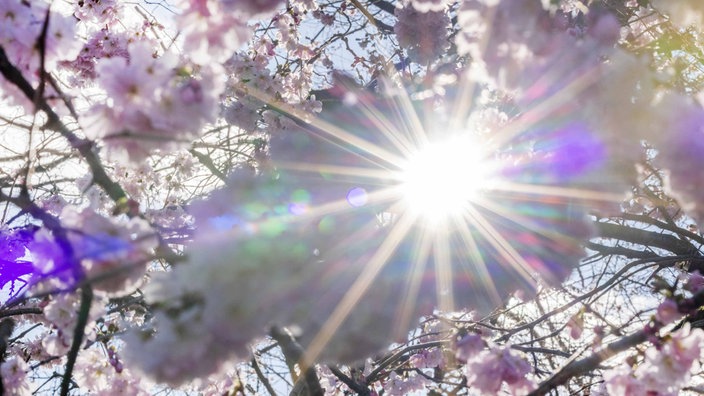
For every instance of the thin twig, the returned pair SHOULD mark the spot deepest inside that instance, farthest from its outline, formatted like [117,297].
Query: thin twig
[261,376]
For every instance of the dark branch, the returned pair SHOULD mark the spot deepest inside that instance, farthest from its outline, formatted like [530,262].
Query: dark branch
[78,332]
[293,352]
[20,311]
[359,388]
[591,362]
[646,238]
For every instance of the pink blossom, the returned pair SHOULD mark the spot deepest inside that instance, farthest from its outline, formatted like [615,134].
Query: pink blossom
[100,44]
[429,358]
[61,311]
[305,5]
[57,343]
[152,103]
[92,370]
[622,382]
[489,369]
[576,325]
[13,372]
[113,250]
[17,32]
[61,43]
[468,346]
[668,311]
[695,282]
[397,385]
[215,36]
[100,11]
[424,35]
[20,27]
[251,8]
[133,83]
[685,345]
[96,373]
[666,369]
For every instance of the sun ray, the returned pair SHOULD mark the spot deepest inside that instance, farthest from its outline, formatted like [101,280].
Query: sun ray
[544,108]
[388,129]
[467,85]
[373,149]
[462,103]
[414,278]
[562,192]
[443,270]
[376,263]
[331,130]
[406,113]
[551,234]
[502,246]
[378,175]
[477,262]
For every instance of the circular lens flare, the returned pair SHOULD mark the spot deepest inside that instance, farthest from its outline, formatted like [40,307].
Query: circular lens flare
[441,179]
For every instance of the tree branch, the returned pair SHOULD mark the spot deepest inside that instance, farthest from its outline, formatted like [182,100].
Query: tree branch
[395,356]
[293,352]
[375,22]
[208,163]
[20,311]
[590,363]
[620,251]
[359,388]
[646,238]
[78,332]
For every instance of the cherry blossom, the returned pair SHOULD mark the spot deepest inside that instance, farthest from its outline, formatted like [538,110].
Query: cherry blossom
[14,376]
[666,368]
[668,311]
[22,26]
[622,382]
[469,346]
[398,385]
[101,11]
[695,282]
[423,34]
[153,103]
[491,368]
[108,246]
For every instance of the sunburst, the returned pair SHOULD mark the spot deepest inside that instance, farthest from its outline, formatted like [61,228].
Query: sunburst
[476,225]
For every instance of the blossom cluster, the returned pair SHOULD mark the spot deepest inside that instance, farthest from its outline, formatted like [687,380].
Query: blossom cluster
[666,368]
[424,34]
[22,26]
[153,102]
[112,253]
[490,366]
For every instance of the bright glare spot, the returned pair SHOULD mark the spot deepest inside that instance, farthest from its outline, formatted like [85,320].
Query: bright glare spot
[443,178]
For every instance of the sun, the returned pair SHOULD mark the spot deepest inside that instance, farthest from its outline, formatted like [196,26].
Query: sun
[439,180]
